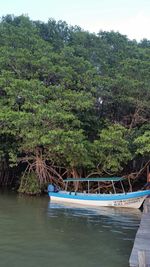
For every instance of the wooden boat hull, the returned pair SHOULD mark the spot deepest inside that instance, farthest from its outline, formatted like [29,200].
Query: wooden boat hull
[128,200]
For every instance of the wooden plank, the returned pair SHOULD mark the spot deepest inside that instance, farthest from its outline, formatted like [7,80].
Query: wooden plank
[140,255]
[142,258]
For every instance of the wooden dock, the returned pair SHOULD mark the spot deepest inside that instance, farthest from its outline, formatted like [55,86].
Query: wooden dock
[140,255]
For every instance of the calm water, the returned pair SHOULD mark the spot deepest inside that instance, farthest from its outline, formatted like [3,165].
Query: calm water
[35,233]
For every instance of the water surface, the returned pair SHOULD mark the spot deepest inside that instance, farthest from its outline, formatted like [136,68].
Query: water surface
[35,233]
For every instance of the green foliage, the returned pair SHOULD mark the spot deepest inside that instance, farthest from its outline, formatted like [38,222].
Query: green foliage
[143,144]
[72,95]
[69,148]
[112,149]
[29,184]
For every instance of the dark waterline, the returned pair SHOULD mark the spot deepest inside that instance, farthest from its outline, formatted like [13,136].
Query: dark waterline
[35,232]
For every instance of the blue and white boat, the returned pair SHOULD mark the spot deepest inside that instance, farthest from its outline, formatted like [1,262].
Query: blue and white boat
[127,200]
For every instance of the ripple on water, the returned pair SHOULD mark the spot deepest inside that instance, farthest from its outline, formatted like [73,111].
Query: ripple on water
[35,232]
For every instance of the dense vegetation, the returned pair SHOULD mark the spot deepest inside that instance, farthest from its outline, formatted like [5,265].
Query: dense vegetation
[72,103]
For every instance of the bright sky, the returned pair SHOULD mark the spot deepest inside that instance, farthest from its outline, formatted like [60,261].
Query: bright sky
[129,17]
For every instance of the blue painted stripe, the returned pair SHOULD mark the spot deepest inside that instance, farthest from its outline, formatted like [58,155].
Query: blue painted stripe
[101,197]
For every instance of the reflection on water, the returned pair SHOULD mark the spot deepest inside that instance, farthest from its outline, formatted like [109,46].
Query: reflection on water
[35,232]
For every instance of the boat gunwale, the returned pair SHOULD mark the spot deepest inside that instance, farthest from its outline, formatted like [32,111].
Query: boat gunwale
[99,197]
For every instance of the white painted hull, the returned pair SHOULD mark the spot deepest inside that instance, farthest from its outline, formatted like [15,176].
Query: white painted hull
[127,203]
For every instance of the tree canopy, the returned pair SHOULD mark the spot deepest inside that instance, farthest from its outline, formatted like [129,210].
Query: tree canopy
[71,102]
